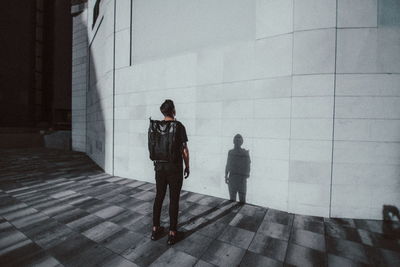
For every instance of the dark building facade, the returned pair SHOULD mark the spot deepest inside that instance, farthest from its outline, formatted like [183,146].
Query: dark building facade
[35,65]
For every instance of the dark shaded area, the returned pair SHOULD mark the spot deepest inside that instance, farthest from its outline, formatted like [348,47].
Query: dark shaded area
[95,124]
[391,221]
[35,65]
[237,170]
[388,13]
[96,11]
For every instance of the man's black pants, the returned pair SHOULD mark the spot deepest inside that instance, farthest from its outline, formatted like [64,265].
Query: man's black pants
[173,179]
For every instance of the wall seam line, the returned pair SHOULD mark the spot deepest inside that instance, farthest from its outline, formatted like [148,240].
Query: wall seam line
[333,114]
[291,103]
[113,120]
[130,34]
[87,82]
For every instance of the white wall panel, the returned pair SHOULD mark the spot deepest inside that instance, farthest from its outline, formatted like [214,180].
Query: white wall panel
[272,71]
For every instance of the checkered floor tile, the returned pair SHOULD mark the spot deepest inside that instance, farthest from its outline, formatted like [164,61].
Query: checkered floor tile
[57,208]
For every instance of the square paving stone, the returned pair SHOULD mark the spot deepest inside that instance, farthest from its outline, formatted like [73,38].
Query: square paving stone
[85,223]
[19,213]
[116,260]
[92,256]
[195,244]
[52,236]
[302,256]
[144,208]
[62,194]
[277,216]
[121,240]
[251,210]
[308,239]
[116,199]
[147,186]
[130,203]
[201,263]
[225,218]
[18,251]
[275,230]
[145,195]
[38,227]
[108,194]
[342,232]
[40,258]
[11,236]
[14,246]
[109,212]
[71,198]
[337,261]
[212,230]
[9,208]
[70,247]
[71,215]
[341,221]
[196,209]
[347,249]
[102,231]
[382,257]
[56,209]
[126,218]
[29,220]
[193,225]
[378,240]
[42,203]
[251,259]
[236,236]
[309,223]
[86,202]
[269,247]
[223,254]
[247,222]
[142,225]
[96,207]
[194,197]
[173,257]
[145,252]
[209,201]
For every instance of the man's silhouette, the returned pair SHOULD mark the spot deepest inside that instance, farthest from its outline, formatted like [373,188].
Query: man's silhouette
[237,170]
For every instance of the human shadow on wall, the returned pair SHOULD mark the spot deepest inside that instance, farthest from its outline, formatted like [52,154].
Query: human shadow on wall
[237,170]
[391,221]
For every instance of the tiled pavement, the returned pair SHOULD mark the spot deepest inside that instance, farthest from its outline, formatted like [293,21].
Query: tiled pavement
[58,208]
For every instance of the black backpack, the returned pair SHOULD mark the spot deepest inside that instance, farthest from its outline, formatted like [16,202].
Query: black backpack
[162,140]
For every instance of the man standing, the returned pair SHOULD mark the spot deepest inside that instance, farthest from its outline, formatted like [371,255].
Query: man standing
[168,149]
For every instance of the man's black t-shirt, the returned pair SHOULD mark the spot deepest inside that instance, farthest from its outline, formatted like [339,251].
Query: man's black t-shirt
[181,138]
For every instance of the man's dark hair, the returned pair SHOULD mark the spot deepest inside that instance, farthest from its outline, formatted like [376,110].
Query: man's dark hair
[167,108]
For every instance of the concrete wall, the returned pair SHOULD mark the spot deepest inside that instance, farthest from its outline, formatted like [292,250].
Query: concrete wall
[79,79]
[366,158]
[311,85]
[100,96]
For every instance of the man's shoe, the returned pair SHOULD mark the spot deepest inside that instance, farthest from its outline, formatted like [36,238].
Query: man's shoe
[156,234]
[171,239]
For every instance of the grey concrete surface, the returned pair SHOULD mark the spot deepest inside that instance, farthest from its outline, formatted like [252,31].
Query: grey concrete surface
[58,208]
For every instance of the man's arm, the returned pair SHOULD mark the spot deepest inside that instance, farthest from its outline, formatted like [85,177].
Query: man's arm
[227,168]
[185,154]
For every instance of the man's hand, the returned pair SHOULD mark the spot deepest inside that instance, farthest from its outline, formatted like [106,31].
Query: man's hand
[226,179]
[186,172]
